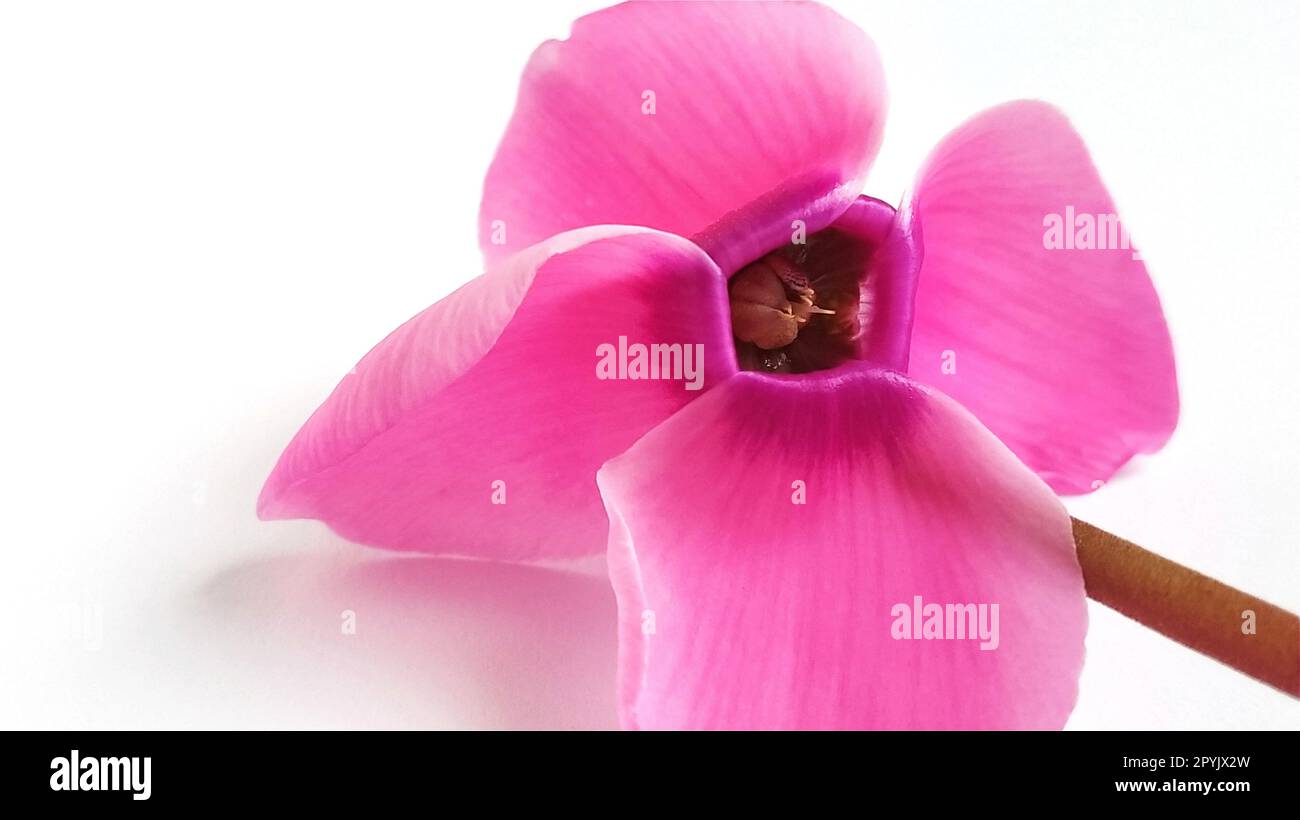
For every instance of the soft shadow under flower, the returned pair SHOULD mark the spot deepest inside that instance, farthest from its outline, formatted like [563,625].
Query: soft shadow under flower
[438,643]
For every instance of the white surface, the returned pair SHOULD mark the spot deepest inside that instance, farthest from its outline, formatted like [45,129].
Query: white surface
[208,212]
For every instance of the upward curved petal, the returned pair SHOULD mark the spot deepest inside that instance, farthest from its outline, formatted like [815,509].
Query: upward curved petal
[1063,352]
[499,383]
[762,113]
[742,608]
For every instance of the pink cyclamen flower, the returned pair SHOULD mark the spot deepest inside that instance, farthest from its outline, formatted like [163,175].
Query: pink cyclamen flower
[888,397]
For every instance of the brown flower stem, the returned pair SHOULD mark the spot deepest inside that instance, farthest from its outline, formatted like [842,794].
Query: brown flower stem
[1191,608]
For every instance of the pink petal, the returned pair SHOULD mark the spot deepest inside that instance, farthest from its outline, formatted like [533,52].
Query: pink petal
[498,382]
[740,609]
[1063,354]
[889,292]
[763,113]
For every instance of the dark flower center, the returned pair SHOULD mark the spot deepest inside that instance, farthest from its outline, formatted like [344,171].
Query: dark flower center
[800,307]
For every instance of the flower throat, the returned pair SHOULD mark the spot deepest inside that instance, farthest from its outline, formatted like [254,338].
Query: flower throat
[799,308]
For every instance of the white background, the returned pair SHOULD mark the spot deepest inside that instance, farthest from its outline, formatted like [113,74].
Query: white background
[209,211]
